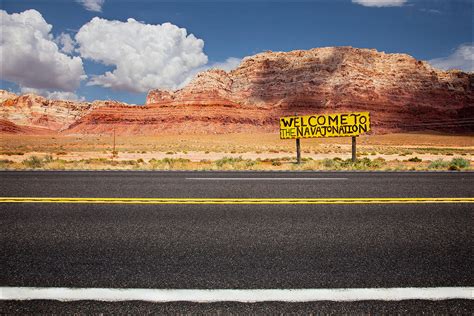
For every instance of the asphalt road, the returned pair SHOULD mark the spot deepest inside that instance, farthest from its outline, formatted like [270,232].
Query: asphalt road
[236,246]
[182,184]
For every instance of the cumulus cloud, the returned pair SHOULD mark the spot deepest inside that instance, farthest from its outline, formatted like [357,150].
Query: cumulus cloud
[92,5]
[53,95]
[66,42]
[144,56]
[31,58]
[229,64]
[380,3]
[462,58]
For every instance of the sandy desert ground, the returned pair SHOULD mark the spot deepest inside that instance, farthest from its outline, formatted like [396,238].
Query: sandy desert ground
[234,151]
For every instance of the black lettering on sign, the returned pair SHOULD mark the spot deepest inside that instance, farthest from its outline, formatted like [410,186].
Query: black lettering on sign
[321,120]
[323,130]
[354,115]
[297,121]
[333,120]
[343,119]
[302,121]
[287,122]
[310,122]
[299,131]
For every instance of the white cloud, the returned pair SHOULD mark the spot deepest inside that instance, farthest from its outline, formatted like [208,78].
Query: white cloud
[380,3]
[53,95]
[462,58]
[31,58]
[229,64]
[92,5]
[144,56]
[66,42]
[432,11]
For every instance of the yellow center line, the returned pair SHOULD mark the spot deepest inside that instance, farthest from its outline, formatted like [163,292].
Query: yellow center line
[393,200]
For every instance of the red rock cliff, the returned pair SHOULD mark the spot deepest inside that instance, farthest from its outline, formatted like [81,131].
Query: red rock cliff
[397,89]
[402,94]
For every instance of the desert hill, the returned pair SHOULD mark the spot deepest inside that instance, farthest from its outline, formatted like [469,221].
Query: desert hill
[402,94]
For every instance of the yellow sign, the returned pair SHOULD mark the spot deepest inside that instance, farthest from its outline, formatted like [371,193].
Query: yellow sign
[324,125]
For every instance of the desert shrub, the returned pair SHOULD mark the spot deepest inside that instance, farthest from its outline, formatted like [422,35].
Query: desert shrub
[227,160]
[33,162]
[128,162]
[250,163]
[172,161]
[438,164]
[48,159]
[169,163]
[276,163]
[415,159]
[328,163]
[170,152]
[13,153]
[60,153]
[5,163]
[360,164]
[140,160]
[94,160]
[458,163]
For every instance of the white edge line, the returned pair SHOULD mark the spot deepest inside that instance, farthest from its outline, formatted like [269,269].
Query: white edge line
[265,179]
[238,295]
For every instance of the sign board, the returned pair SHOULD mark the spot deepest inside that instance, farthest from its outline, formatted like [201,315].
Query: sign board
[325,125]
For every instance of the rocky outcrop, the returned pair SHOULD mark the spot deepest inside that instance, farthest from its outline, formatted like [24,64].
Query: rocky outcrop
[35,111]
[397,89]
[402,94]
[7,127]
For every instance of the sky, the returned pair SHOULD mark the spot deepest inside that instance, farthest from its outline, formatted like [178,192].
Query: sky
[120,49]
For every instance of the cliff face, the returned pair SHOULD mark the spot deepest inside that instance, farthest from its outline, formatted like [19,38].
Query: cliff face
[402,94]
[38,113]
[397,89]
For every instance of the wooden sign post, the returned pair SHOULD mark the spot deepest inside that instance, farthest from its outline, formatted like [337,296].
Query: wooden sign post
[298,151]
[354,150]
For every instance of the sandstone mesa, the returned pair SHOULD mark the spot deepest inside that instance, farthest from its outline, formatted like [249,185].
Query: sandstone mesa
[401,93]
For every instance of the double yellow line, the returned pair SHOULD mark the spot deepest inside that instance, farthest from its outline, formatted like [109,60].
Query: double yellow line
[394,200]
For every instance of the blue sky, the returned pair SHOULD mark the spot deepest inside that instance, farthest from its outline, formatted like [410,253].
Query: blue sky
[428,30]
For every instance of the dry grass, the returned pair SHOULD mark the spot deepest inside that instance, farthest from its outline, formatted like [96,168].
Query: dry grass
[230,152]
[232,163]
